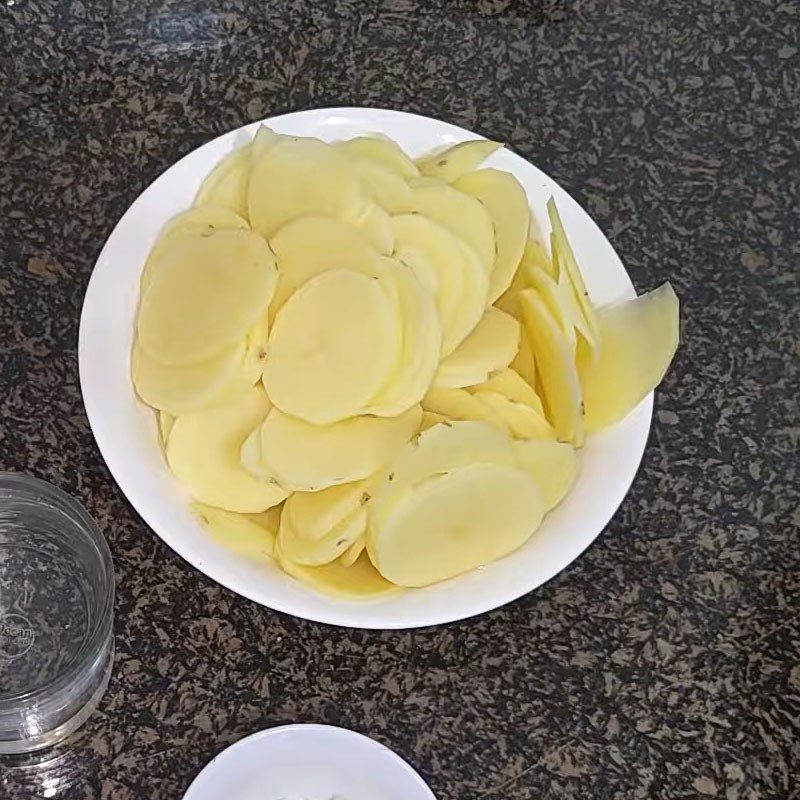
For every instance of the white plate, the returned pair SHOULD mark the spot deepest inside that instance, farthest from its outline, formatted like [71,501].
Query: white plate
[125,429]
[308,762]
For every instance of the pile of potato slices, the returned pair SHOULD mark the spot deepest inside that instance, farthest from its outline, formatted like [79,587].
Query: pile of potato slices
[367,368]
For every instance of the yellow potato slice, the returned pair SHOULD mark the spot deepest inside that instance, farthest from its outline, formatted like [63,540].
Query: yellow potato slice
[569,273]
[509,383]
[306,457]
[522,421]
[561,390]
[537,257]
[456,160]
[560,301]
[332,347]
[360,581]
[524,362]
[383,150]
[226,185]
[205,295]
[553,465]
[312,245]
[504,198]
[386,186]
[457,404]
[376,227]
[352,554]
[316,552]
[165,423]
[239,532]
[315,514]
[203,453]
[459,520]
[421,345]
[460,213]
[264,139]
[638,339]
[491,346]
[450,271]
[297,177]
[431,418]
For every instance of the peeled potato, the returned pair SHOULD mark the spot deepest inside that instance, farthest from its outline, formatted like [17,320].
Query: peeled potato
[638,340]
[376,227]
[450,271]
[524,362]
[553,465]
[316,552]
[386,186]
[308,457]
[165,423]
[315,514]
[383,150]
[465,216]
[312,245]
[297,177]
[509,383]
[239,532]
[264,139]
[491,346]
[456,160]
[360,581]
[226,185]
[205,295]
[502,195]
[421,345]
[456,404]
[352,554]
[560,301]
[332,347]
[555,366]
[203,453]
[520,419]
[460,520]
[431,418]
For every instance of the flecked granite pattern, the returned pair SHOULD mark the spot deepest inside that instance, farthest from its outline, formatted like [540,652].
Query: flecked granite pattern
[664,663]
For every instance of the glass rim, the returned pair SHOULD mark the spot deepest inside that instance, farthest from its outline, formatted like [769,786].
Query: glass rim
[94,644]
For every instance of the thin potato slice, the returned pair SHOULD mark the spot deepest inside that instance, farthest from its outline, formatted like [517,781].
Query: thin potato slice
[205,295]
[316,552]
[457,404]
[553,465]
[429,419]
[456,160]
[560,301]
[524,362]
[297,177]
[360,581]
[383,150]
[520,419]
[491,346]
[264,139]
[568,272]
[421,345]
[203,453]
[450,271]
[561,390]
[376,227]
[386,186]
[165,423]
[352,554]
[332,347]
[311,245]
[465,216]
[238,532]
[460,520]
[307,457]
[509,383]
[638,339]
[226,185]
[315,514]
[502,195]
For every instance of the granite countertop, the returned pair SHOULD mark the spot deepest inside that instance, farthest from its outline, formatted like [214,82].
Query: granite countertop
[665,662]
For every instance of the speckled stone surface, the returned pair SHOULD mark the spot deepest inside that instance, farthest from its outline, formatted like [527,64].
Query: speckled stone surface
[664,663]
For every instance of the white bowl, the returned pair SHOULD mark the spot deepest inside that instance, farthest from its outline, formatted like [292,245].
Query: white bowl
[308,762]
[125,429]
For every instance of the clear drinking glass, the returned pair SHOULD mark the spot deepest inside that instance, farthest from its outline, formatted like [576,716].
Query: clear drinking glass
[56,614]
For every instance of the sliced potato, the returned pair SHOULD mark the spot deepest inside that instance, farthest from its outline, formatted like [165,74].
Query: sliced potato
[316,552]
[297,177]
[386,186]
[459,519]
[376,227]
[465,216]
[456,160]
[561,390]
[638,339]
[560,301]
[307,457]
[491,346]
[360,581]
[502,195]
[524,363]
[315,514]
[239,532]
[205,295]
[203,453]
[537,257]
[456,404]
[226,185]
[264,139]
[326,362]
[569,273]
[312,245]
[450,271]
[165,423]
[522,421]
[352,554]
[383,150]
[431,418]
[509,383]
[421,345]
[553,465]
